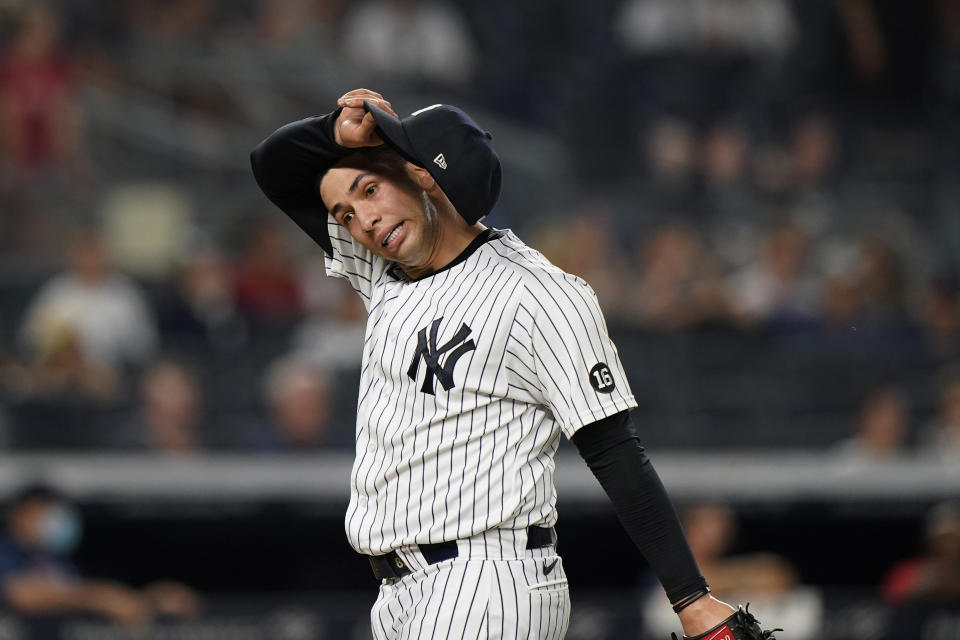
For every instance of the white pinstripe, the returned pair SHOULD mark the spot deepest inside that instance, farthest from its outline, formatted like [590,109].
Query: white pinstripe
[493,599]
[478,456]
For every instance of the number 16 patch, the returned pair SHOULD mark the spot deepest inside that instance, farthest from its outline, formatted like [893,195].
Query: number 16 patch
[600,378]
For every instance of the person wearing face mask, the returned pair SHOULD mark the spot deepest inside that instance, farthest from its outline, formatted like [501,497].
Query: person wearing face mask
[37,577]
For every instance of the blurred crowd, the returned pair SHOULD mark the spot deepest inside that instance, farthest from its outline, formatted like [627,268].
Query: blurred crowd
[919,594]
[777,170]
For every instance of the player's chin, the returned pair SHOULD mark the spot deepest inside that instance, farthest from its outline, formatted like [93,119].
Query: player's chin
[394,254]
[403,250]
[388,253]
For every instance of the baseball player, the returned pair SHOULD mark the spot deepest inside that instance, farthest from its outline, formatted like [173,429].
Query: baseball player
[479,354]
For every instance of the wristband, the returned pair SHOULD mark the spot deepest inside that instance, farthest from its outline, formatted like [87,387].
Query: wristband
[686,601]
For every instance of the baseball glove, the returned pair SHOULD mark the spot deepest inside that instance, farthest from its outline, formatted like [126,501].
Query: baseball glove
[742,625]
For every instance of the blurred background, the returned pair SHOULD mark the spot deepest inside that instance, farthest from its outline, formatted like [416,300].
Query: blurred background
[763,193]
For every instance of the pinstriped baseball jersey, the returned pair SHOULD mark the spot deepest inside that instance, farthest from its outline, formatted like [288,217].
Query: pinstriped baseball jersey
[469,377]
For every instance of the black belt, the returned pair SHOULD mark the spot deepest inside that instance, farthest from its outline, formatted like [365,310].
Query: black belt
[391,566]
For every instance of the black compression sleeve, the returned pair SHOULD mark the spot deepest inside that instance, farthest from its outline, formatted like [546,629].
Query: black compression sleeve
[612,450]
[288,164]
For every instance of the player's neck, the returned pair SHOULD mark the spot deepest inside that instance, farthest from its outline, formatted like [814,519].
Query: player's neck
[454,235]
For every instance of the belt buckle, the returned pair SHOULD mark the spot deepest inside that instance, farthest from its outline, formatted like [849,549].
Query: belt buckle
[396,565]
[390,567]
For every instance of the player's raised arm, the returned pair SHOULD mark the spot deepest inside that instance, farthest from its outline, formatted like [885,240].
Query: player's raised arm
[288,163]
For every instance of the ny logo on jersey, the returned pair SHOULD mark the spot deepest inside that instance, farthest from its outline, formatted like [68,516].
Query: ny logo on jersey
[428,351]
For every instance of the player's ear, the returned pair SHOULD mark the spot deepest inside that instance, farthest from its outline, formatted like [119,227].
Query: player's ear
[421,177]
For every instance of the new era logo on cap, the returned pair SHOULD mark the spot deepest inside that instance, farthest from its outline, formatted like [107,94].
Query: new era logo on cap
[468,169]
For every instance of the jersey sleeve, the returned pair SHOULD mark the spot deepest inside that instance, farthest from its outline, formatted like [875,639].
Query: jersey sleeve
[352,262]
[573,366]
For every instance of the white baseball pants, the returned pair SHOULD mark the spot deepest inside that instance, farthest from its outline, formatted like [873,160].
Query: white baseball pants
[495,589]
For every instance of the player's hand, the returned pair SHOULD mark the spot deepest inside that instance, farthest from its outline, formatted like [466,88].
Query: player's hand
[703,614]
[124,606]
[172,598]
[355,127]
[740,625]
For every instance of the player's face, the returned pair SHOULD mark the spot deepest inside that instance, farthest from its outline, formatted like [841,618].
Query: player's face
[390,217]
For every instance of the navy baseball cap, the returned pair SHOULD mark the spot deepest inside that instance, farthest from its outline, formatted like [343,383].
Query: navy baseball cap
[458,154]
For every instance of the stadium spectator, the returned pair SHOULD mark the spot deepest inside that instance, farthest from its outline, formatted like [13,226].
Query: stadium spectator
[595,256]
[924,591]
[727,192]
[293,23]
[40,127]
[937,575]
[880,282]
[169,417]
[940,440]
[105,312]
[701,56]
[712,530]
[776,284]
[767,580]
[836,256]
[58,370]
[725,152]
[670,150]
[409,41]
[940,317]
[813,151]
[678,284]
[38,579]
[280,59]
[755,27]
[299,400]
[199,311]
[331,339]
[163,39]
[266,282]
[58,397]
[880,430]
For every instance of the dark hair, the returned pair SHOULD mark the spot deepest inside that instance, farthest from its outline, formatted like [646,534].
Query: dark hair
[34,491]
[382,160]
